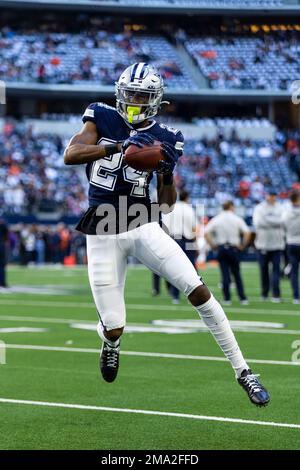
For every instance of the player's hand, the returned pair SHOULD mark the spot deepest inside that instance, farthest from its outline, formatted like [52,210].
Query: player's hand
[140,140]
[171,158]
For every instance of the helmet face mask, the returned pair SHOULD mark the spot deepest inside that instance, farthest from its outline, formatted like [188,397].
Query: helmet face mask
[139,92]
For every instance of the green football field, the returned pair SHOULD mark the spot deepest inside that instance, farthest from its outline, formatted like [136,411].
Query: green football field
[174,389]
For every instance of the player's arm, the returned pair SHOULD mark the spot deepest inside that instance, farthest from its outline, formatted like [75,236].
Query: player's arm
[208,234]
[82,147]
[258,220]
[285,220]
[265,221]
[246,234]
[210,240]
[166,192]
[246,240]
[273,220]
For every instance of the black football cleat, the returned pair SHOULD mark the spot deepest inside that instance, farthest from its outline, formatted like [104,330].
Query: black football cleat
[109,362]
[256,392]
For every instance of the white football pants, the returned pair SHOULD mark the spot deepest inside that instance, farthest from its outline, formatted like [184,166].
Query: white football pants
[107,264]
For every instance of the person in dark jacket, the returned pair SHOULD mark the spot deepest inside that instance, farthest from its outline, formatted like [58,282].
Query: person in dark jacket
[3,253]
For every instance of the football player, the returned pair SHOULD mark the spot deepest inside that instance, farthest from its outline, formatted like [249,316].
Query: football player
[106,134]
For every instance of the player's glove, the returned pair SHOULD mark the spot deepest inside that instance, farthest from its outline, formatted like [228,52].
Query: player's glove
[139,140]
[171,158]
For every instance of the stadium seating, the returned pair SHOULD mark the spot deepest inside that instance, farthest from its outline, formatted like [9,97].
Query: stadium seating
[263,61]
[33,174]
[205,3]
[269,62]
[85,58]
[220,169]
[192,3]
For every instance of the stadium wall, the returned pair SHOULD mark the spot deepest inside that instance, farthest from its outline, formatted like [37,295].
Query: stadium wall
[291,7]
[94,91]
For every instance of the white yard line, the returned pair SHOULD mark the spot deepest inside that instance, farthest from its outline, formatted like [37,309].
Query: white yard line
[216,290]
[23,329]
[46,303]
[25,319]
[149,412]
[146,354]
[169,308]
[68,321]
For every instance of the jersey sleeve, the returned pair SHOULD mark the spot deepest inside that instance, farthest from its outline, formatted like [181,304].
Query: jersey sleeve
[173,136]
[91,113]
[176,138]
[95,113]
[179,143]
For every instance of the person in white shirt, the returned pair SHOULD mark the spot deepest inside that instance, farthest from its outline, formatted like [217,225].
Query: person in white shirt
[257,190]
[291,225]
[269,242]
[181,225]
[223,233]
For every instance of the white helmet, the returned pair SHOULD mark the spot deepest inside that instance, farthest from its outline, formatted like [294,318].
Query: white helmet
[139,91]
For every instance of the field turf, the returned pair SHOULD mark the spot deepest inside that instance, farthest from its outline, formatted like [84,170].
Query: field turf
[204,406]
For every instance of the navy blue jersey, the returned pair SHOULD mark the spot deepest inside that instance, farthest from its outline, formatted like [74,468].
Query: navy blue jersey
[110,177]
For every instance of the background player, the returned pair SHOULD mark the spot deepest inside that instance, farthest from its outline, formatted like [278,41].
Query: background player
[181,225]
[3,254]
[139,92]
[223,233]
[269,242]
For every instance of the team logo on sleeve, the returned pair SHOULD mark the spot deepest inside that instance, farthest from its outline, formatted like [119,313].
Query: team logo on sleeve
[89,113]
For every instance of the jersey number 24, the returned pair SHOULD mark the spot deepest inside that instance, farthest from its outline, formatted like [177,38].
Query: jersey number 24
[104,175]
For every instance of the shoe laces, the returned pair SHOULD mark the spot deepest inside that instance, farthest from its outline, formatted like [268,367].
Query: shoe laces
[252,382]
[111,356]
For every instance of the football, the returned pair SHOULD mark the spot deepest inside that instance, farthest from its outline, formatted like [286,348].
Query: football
[146,158]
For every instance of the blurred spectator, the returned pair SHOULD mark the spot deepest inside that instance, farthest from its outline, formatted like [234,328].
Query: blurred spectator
[78,247]
[34,179]
[65,239]
[257,190]
[3,253]
[244,189]
[60,52]
[269,242]
[28,240]
[291,224]
[43,244]
[32,175]
[40,247]
[233,60]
